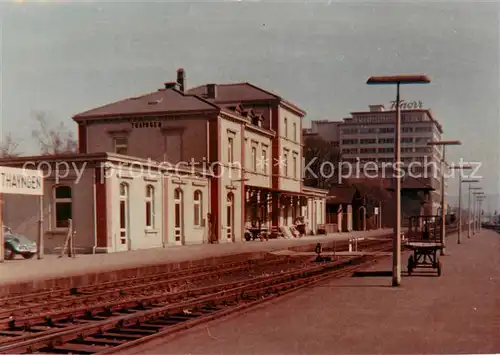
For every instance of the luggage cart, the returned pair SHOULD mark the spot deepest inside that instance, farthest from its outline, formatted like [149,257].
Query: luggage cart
[424,240]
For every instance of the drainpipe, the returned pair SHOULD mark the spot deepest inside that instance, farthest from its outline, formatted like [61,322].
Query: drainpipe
[94,190]
[162,176]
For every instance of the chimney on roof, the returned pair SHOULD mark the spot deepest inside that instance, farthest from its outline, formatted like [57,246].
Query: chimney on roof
[171,85]
[211,91]
[377,108]
[181,79]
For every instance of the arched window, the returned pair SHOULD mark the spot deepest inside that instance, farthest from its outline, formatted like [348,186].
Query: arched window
[178,215]
[63,206]
[198,208]
[124,223]
[150,206]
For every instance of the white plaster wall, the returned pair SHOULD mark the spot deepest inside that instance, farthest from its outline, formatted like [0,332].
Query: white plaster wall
[260,177]
[139,237]
[292,144]
[230,180]
[192,234]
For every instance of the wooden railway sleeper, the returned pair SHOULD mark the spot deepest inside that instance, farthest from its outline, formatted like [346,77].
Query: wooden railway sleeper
[209,306]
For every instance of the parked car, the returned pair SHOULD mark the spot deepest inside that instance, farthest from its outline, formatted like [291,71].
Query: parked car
[16,244]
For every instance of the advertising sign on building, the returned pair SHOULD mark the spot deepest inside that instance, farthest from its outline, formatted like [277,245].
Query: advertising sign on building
[407,105]
[21,181]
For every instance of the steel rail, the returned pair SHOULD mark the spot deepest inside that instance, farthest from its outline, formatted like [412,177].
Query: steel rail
[63,336]
[72,300]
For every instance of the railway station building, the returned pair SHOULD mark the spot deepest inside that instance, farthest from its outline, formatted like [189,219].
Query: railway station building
[174,167]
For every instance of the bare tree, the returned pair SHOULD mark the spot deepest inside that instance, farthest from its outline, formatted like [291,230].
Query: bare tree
[322,160]
[53,140]
[9,147]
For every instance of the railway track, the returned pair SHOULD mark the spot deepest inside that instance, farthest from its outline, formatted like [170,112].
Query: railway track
[116,326]
[97,328]
[15,307]
[45,302]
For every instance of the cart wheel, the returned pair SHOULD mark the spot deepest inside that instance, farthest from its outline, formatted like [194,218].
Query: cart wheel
[410,264]
[439,267]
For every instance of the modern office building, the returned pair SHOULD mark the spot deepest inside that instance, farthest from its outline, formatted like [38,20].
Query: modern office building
[366,140]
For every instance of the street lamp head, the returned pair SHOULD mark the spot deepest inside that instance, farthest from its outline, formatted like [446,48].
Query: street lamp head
[399,79]
[445,143]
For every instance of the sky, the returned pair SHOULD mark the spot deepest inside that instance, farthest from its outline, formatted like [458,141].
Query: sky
[67,57]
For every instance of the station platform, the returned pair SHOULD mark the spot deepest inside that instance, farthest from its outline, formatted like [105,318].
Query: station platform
[457,313]
[21,276]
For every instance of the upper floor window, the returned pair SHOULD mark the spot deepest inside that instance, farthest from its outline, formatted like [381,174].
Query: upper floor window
[120,145]
[264,160]
[63,206]
[368,150]
[294,131]
[421,140]
[386,130]
[386,150]
[230,150]
[285,163]
[350,151]
[285,128]
[254,158]
[294,166]
[368,141]
[386,140]
[150,206]
[349,131]
[423,129]
[350,141]
[198,208]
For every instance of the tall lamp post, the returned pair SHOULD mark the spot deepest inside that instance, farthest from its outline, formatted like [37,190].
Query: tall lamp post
[443,198]
[476,210]
[480,200]
[460,182]
[397,80]
[471,209]
[465,181]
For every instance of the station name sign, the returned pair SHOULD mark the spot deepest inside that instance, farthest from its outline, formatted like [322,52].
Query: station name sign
[407,105]
[146,124]
[21,181]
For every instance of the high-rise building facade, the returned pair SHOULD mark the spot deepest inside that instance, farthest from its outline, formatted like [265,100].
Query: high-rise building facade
[367,139]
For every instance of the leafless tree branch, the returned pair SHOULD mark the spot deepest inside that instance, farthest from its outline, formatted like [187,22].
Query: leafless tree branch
[9,147]
[53,140]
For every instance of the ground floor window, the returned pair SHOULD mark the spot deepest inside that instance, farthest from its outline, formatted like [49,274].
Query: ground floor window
[178,215]
[150,206]
[123,213]
[198,209]
[63,206]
